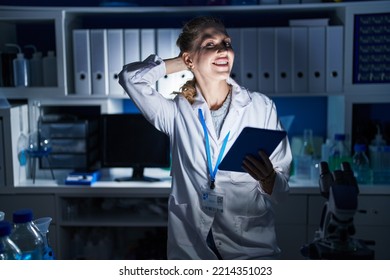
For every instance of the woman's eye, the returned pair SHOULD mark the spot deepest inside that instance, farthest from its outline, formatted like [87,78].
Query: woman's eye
[210,44]
[228,44]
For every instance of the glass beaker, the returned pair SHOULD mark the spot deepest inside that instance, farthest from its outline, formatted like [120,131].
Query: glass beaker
[38,143]
[22,141]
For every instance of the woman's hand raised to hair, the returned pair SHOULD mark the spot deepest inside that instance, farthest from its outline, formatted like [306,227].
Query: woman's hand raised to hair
[262,170]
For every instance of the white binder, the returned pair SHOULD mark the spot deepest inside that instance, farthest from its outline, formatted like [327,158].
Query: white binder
[266,60]
[299,59]
[115,60]
[317,54]
[166,48]
[2,153]
[283,59]
[82,61]
[249,58]
[132,46]
[334,58]
[148,43]
[99,62]
[183,76]
[235,36]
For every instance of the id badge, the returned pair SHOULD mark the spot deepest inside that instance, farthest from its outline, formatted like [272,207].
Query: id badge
[213,201]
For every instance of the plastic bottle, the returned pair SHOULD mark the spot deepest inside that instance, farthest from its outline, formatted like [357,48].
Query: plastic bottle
[8,249]
[325,150]
[20,68]
[36,68]
[339,152]
[26,236]
[361,165]
[50,70]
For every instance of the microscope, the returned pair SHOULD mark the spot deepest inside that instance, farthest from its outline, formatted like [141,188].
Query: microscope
[334,238]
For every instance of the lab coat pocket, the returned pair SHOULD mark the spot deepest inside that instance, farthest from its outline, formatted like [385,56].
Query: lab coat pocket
[255,230]
[181,224]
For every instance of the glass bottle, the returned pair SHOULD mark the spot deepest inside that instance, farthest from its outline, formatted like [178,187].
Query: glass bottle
[308,146]
[303,161]
[361,164]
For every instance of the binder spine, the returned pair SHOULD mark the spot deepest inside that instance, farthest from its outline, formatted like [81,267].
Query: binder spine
[82,61]
[99,61]
[334,58]
[317,59]
[266,59]
[115,60]
[249,50]
[299,59]
[283,59]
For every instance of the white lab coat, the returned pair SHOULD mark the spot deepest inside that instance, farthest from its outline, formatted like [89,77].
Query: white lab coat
[245,229]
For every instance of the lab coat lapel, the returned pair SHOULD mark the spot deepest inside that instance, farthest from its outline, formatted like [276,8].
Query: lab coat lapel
[200,103]
[240,99]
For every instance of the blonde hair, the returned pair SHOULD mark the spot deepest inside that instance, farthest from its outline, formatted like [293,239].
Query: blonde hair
[186,43]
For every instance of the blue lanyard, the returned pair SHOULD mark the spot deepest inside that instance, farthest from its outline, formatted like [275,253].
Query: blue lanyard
[212,171]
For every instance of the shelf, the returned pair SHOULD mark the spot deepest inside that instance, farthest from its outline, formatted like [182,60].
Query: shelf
[175,16]
[42,29]
[28,92]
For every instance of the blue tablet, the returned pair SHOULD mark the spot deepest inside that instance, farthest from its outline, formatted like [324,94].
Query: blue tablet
[249,142]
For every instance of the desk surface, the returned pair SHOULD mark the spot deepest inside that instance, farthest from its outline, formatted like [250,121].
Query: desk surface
[162,187]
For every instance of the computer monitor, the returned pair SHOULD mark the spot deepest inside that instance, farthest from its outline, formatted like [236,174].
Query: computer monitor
[129,140]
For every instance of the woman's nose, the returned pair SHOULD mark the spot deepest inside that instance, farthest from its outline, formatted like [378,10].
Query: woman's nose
[222,47]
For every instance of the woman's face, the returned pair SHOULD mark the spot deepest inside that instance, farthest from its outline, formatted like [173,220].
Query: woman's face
[213,55]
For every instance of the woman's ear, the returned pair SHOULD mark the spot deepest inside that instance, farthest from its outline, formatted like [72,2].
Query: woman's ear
[187,60]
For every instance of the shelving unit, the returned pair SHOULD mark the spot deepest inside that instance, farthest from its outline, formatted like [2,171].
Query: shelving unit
[299,215]
[42,29]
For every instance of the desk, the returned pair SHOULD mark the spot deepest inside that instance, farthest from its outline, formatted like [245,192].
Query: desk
[296,219]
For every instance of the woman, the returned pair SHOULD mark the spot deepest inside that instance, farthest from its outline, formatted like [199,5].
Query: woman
[213,214]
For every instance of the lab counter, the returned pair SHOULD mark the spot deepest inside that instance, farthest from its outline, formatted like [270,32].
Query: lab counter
[162,187]
[81,207]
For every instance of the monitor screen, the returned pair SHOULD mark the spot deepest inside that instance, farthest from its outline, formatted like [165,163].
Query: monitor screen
[129,140]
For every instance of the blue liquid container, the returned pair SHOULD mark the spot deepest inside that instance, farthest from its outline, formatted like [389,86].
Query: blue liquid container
[26,236]
[8,249]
